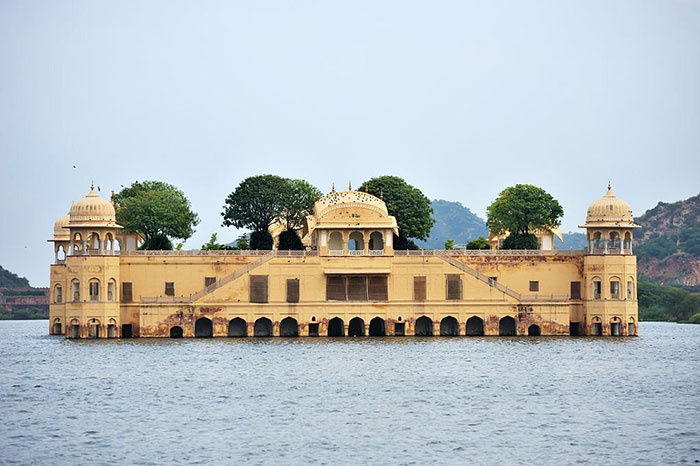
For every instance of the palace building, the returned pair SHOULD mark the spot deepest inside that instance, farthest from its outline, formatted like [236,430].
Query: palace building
[348,282]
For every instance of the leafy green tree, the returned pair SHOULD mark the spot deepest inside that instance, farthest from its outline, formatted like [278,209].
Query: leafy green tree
[521,209]
[261,240]
[243,243]
[479,243]
[408,204]
[289,240]
[157,211]
[212,245]
[298,202]
[256,203]
[449,244]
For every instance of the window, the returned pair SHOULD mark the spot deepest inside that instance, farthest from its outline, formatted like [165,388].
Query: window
[419,289]
[59,294]
[293,290]
[335,288]
[534,286]
[208,281]
[575,290]
[614,289]
[630,289]
[493,280]
[357,288]
[597,289]
[76,291]
[454,286]
[127,289]
[258,288]
[169,288]
[110,291]
[377,288]
[94,291]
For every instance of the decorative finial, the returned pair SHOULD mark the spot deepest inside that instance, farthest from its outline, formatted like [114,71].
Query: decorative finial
[333,188]
[609,187]
[92,186]
[349,185]
[381,194]
[113,197]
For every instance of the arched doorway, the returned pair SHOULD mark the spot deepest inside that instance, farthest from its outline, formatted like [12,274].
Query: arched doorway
[336,327]
[57,327]
[203,328]
[74,328]
[335,244]
[616,327]
[237,328]
[449,327]
[176,332]
[377,327]
[263,327]
[356,327]
[424,327]
[506,327]
[289,327]
[534,330]
[475,326]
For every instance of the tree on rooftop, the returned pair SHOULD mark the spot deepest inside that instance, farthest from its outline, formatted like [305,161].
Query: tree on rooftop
[519,211]
[408,204]
[479,243]
[298,202]
[157,211]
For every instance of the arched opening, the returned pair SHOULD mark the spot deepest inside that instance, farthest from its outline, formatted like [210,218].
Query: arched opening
[94,329]
[336,327]
[356,241]
[109,242]
[449,327]
[356,327]
[203,328]
[75,285]
[74,328]
[61,253]
[237,328]
[94,289]
[616,327]
[176,332]
[597,327]
[614,240]
[377,327]
[111,290]
[376,241]
[111,328]
[631,329]
[506,327]
[597,240]
[475,326]
[335,243]
[628,242]
[94,241]
[57,327]
[289,327]
[534,330]
[424,327]
[77,242]
[58,294]
[263,327]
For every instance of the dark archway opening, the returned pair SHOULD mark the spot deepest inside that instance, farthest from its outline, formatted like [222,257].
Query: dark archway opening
[399,329]
[424,327]
[630,329]
[449,327]
[574,329]
[336,327]
[616,329]
[356,327]
[377,328]
[237,328]
[506,327]
[176,332]
[127,332]
[313,329]
[57,330]
[597,329]
[75,331]
[289,327]
[534,330]
[475,327]
[203,328]
[263,327]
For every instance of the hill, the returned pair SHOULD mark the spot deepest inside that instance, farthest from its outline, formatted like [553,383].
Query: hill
[571,241]
[11,280]
[668,244]
[453,221]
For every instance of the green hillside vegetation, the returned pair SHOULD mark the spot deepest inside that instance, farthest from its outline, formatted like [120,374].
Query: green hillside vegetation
[660,247]
[25,313]
[667,303]
[453,221]
[11,280]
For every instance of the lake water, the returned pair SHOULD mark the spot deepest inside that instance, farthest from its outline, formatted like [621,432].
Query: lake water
[489,400]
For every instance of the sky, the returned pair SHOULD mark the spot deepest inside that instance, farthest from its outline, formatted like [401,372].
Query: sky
[460,98]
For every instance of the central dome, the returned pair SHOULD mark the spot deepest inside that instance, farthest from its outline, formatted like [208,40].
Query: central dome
[610,210]
[92,210]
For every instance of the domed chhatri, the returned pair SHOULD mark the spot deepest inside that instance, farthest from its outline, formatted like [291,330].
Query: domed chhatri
[609,211]
[92,211]
[60,229]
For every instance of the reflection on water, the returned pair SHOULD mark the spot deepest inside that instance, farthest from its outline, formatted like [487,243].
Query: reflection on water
[451,400]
